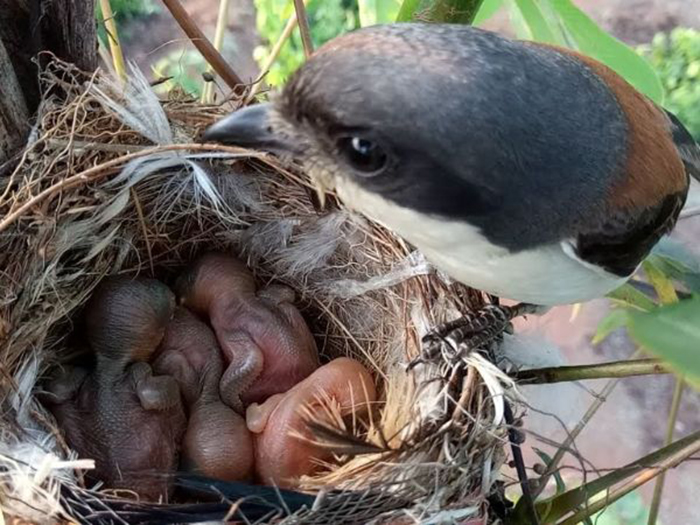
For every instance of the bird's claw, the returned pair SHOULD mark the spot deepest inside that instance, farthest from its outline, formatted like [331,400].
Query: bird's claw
[451,341]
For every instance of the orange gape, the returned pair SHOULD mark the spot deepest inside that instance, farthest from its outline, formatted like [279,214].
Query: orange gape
[281,457]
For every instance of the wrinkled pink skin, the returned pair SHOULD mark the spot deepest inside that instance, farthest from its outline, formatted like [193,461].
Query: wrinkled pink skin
[266,343]
[217,441]
[119,414]
[281,458]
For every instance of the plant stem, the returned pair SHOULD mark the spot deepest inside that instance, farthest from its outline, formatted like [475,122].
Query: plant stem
[304,29]
[689,446]
[614,369]
[200,41]
[274,53]
[597,403]
[672,417]
[113,39]
[221,22]
[516,441]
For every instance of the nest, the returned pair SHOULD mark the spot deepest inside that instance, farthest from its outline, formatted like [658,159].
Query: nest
[112,181]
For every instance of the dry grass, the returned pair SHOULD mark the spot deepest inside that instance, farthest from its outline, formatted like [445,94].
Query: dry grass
[116,184]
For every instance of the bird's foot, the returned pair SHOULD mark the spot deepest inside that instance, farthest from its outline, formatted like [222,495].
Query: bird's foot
[453,340]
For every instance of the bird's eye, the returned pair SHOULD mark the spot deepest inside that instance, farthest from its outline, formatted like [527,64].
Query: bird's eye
[366,156]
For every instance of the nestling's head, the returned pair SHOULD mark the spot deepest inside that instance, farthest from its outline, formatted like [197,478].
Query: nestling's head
[126,318]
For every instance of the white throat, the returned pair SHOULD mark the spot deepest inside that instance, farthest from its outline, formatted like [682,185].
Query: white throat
[548,275]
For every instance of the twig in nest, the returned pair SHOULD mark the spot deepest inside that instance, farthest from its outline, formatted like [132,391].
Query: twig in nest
[109,167]
[203,45]
[144,229]
[339,441]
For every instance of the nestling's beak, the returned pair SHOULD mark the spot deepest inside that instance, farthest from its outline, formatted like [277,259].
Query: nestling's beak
[248,128]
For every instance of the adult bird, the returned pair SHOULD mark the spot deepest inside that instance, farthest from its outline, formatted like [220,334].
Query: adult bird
[524,170]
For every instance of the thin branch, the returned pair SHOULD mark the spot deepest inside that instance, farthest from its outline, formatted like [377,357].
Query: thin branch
[274,53]
[597,403]
[646,474]
[614,369]
[113,38]
[202,44]
[304,28]
[221,23]
[672,417]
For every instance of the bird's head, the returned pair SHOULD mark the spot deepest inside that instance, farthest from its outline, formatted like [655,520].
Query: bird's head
[372,110]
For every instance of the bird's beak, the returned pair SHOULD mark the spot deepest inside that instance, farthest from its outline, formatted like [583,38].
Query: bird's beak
[248,127]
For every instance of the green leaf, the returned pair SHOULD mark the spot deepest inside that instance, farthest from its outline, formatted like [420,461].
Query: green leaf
[377,11]
[451,11]
[614,320]
[571,500]
[407,10]
[547,460]
[535,22]
[677,262]
[487,10]
[661,283]
[628,295]
[672,333]
[593,41]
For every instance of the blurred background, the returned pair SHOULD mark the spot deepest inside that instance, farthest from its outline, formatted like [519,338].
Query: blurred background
[632,422]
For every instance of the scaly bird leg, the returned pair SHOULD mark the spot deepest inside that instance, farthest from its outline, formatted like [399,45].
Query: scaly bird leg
[475,330]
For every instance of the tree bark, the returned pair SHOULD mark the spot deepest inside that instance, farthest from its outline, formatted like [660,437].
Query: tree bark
[67,28]
[14,117]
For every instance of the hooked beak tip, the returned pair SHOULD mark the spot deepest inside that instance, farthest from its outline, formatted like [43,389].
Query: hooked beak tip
[246,127]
